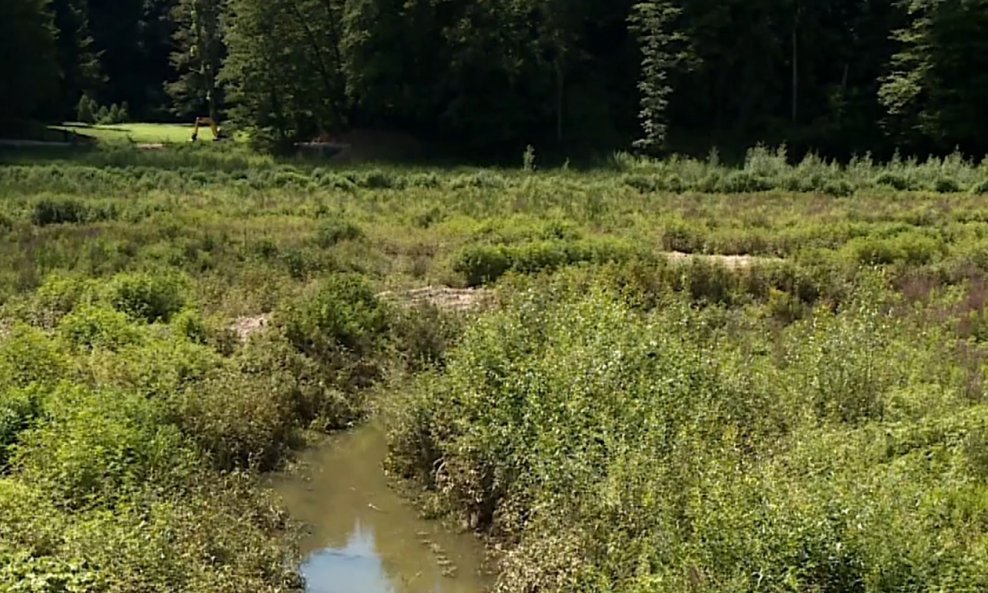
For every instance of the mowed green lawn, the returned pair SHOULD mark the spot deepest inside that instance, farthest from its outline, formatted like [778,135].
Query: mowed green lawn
[135,132]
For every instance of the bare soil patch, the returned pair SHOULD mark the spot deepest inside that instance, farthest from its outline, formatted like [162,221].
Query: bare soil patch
[245,327]
[441,297]
[731,262]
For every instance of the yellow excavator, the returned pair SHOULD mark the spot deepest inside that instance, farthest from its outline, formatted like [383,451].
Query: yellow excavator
[207,121]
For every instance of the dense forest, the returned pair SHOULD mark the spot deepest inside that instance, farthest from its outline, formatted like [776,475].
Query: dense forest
[839,77]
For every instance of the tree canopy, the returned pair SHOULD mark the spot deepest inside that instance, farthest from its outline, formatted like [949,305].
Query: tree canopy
[835,76]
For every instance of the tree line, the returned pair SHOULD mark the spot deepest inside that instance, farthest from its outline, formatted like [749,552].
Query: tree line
[493,76]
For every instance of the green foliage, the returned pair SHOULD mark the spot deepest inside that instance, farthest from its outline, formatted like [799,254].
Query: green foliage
[99,446]
[197,57]
[59,295]
[190,325]
[284,71]
[341,316]
[683,446]
[482,264]
[28,356]
[425,335]
[934,85]
[337,231]
[18,409]
[66,211]
[148,297]
[240,420]
[98,328]
[85,110]
[78,60]
[913,249]
[318,393]
[528,159]
[652,22]
[50,550]
[619,413]
[113,115]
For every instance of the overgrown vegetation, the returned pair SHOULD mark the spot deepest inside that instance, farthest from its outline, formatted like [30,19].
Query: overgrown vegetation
[682,448]
[694,377]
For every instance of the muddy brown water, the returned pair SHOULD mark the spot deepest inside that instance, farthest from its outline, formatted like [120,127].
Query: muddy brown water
[361,536]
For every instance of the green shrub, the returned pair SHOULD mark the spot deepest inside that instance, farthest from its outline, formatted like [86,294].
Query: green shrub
[377,179]
[290,180]
[301,263]
[894,181]
[642,183]
[319,394]
[478,180]
[683,237]
[147,296]
[784,307]
[918,250]
[96,447]
[910,248]
[537,256]
[742,182]
[114,114]
[482,264]
[708,282]
[18,409]
[573,427]
[65,211]
[190,325]
[98,328]
[946,185]
[335,181]
[341,316]
[59,295]
[839,188]
[336,231]
[425,334]
[980,188]
[873,251]
[160,366]
[154,546]
[427,180]
[530,378]
[28,356]
[240,420]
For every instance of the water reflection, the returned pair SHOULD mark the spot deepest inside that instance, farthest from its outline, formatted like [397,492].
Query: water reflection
[362,537]
[356,567]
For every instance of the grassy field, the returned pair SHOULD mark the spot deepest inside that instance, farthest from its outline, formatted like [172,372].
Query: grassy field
[143,133]
[690,377]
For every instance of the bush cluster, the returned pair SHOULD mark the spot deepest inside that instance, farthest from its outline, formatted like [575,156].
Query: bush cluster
[687,449]
[483,264]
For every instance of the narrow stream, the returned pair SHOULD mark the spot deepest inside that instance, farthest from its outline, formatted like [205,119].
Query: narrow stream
[362,537]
